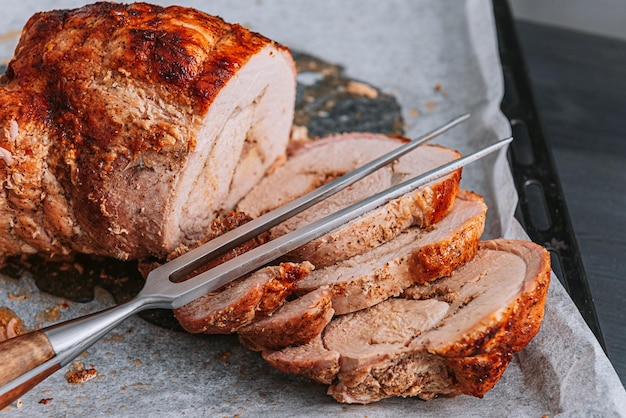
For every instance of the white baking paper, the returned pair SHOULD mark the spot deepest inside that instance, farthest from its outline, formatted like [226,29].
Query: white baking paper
[440,60]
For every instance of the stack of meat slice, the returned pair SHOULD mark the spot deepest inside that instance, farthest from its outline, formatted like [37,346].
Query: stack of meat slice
[404,300]
[455,335]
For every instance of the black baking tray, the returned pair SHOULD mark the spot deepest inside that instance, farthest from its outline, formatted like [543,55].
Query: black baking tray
[542,210]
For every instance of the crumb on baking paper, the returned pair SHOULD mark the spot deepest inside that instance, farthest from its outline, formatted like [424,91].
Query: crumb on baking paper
[413,112]
[78,374]
[13,296]
[51,314]
[361,89]
[17,404]
[439,89]
[114,337]
[430,105]
[224,356]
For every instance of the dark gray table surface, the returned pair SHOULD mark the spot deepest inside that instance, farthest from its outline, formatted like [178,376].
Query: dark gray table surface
[579,85]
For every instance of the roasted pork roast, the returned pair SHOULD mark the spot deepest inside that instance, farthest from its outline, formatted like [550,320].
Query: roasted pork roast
[127,128]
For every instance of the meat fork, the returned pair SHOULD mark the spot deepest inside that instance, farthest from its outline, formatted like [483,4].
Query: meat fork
[30,358]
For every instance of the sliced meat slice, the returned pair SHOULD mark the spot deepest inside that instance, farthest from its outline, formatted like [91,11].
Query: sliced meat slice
[295,323]
[312,360]
[242,302]
[321,161]
[382,331]
[500,294]
[416,255]
[458,337]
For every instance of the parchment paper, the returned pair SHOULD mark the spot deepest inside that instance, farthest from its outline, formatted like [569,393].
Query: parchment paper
[440,60]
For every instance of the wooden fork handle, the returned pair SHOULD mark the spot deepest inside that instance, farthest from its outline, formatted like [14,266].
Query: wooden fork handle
[19,355]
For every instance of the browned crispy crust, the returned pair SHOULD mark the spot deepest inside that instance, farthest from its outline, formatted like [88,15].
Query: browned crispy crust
[441,259]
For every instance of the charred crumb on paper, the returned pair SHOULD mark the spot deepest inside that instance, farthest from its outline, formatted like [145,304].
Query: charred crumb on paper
[13,296]
[224,357]
[79,374]
[439,89]
[52,314]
